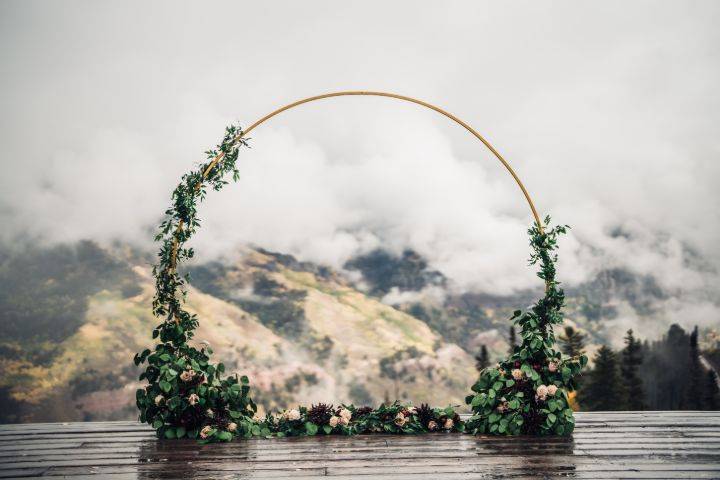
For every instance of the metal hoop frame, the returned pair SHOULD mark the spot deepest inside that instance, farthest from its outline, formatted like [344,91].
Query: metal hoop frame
[405,98]
[417,102]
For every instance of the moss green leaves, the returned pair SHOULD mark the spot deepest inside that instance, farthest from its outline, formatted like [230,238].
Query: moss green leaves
[526,393]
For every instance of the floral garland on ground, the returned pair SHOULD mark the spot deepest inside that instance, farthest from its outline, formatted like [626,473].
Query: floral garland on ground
[188,396]
[350,420]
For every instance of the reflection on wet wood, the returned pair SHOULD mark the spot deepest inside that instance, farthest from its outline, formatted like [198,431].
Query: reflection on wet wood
[605,445]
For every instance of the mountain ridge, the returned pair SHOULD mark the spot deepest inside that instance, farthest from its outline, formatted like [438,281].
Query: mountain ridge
[74,315]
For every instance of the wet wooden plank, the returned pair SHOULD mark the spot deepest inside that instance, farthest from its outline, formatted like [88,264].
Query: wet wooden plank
[605,445]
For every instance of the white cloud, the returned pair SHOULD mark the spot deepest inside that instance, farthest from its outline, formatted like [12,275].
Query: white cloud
[608,112]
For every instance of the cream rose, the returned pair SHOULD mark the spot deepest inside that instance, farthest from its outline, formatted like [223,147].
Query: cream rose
[517,374]
[187,375]
[293,414]
[345,413]
[333,421]
[432,425]
[552,390]
[448,424]
[205,432]
[193,399]
[542,391]
[400,419]
[232,426]
[159,399]
[344,421]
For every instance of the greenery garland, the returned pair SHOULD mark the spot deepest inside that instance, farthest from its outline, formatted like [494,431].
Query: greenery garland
[188,396]
[528,392]
[350,420]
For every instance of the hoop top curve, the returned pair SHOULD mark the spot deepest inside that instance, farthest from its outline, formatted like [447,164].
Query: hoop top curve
[417,102]
[405,98]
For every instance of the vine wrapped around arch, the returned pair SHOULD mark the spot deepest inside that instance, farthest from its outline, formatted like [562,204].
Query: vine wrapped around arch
[188,396]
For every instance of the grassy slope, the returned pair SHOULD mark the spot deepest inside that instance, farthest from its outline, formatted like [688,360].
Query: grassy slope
[92,376]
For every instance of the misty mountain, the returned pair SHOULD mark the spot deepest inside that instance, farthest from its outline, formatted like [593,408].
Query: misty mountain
[407,282]
[301,334]
[386,326]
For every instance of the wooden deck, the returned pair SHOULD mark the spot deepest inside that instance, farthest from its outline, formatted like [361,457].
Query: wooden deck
[605,445]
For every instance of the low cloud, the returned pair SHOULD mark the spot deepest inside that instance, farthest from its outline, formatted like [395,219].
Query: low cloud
[608,117]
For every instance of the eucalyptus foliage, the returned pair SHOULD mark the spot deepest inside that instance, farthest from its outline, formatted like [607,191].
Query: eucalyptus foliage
[396,418]
[187,395]
[528,392]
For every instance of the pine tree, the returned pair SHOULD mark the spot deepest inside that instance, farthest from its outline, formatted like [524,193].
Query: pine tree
[512,340]
[482,360]
[694,393]
[711,400]
[602,388]
[572,343]
[632,383]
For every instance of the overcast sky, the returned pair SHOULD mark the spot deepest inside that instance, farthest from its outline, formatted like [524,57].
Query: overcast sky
[609,111]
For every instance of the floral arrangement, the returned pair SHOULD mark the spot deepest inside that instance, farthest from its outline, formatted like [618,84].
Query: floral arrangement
[349,420]
[528,392]
[188,396]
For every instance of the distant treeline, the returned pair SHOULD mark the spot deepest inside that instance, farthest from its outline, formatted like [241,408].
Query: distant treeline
[669,374]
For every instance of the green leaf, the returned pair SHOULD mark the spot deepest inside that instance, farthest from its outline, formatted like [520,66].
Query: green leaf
[165,386]
[327,429]
[552,417]
[310,428]
[180,432]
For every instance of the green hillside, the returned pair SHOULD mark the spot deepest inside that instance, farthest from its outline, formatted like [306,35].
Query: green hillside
[300,336]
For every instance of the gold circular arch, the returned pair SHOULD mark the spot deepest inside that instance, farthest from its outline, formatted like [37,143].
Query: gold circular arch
[417,102]
[405,98]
